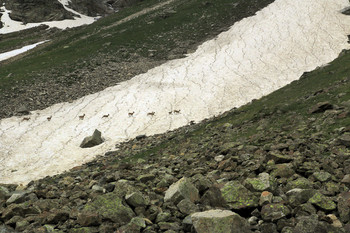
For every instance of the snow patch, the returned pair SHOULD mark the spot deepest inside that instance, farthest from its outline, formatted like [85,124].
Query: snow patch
[7,55]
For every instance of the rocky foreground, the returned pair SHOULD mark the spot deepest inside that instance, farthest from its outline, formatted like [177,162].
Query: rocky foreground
[283,168]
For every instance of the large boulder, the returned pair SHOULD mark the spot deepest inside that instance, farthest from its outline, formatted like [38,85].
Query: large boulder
[91,141]
[273,212]
[344,206]
[219,221]
[323,202]
[183,189]
[238,197]
[262,183]
[110,207]
[345,140]
[310,224]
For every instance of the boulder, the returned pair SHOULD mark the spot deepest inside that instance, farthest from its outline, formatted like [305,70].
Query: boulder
[183,189]
[344,206]
[6,229]
[321,107]
[238,197]
[265,198]
[17,197]
[89,219]
[299,196]
[4,193]
[273,212]
[323,202]
[136,199]
[310,224]
[219,221]
[187,207]
[91,141]
[213,197]
[344,140]
[301,183]
[278,158]
[322,176]
[110,206]
[262,183]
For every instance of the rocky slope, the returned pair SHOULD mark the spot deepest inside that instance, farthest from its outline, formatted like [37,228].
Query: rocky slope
[279,164]
[100,7]
[29,11]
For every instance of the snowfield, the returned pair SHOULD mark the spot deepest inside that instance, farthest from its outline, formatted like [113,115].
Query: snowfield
[255,57]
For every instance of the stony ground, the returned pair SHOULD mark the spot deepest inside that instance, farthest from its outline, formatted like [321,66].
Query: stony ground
[216,176]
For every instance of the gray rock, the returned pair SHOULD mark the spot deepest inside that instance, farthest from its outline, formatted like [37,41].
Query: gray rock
[110,206]
[187,223]
[322,202]
[213,197]
[322,176]
[21,225]
[56,217]
[23,109]
[298,196]
[146,177]
[98,188]
[187,207]
[346,179]
[301,183]
[22,209]
[321,107]
[89,219]
[17,197]
[183,189]
[273,212]
[265,198]
[262,183]
[169,226]
[238,197]
[219,221]
[6,229]
[91,141]
[278,158]
[163,217]
[268,228]
[345,140]
[305,210]
[4,193]
[134,226]
[344,206]
[310,224]
[136,199]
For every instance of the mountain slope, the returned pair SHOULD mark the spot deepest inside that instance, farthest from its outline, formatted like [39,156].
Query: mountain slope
[74,62]
[286,135]
[293,143]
